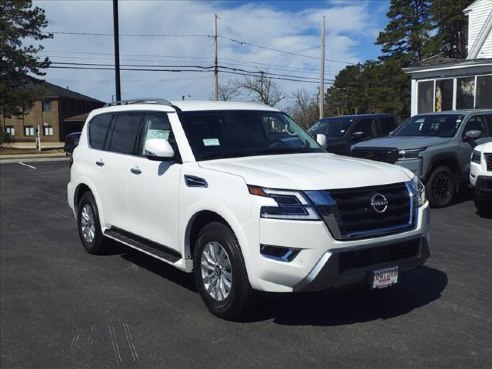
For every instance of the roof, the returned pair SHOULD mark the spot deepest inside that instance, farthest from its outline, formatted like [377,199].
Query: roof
[450,65]
[188,105]
[51,91]
[459,111]
[77,118]
[353,116]
[437,60]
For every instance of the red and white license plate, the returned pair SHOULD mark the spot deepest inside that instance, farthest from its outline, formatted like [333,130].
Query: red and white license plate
[383,278]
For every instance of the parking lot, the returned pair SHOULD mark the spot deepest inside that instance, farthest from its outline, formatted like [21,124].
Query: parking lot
[63,308]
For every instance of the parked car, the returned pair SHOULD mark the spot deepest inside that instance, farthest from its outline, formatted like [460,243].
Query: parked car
[481,177]
[71,142]
[436,147]
[344,131]
[241,196]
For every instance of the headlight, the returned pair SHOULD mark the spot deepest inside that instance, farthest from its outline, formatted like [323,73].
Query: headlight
[418,190]
[410,154]
[290,204]
[476,156]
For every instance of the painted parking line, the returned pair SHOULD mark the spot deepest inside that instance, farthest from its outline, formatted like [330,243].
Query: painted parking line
[27,165]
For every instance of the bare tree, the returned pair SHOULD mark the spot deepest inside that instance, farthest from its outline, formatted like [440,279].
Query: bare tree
[262,89]
[229,91]
[305,109]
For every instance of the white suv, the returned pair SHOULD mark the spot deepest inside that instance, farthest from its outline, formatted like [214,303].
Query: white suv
[244,198]
[481,177]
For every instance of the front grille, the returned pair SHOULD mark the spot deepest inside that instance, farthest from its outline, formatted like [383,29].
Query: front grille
[384,155]
[356,212]
[377,255]
[488,160]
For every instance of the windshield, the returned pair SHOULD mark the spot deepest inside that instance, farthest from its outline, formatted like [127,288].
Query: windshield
[236,133]
[333,127]
[441,125]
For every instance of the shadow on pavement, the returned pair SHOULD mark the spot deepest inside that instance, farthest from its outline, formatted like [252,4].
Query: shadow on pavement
[415,289]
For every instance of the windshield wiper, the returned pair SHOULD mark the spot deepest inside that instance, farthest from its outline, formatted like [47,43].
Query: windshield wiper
[228,154]
[283,150]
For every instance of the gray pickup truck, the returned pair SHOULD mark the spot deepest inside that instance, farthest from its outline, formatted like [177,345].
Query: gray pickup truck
[436,147]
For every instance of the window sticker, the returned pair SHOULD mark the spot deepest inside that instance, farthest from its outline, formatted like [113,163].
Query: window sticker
[211,142]
[157,133]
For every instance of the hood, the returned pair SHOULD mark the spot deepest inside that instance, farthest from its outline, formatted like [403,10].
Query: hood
[403,142]
[317,171]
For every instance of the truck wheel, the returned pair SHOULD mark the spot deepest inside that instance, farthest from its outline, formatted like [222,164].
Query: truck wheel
[89,226]
[220,273]
[441,187]
[483,205]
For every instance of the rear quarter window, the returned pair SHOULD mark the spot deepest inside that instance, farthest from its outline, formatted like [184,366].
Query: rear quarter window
[98,130]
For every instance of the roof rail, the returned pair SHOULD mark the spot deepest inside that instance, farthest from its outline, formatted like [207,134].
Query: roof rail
[140,101]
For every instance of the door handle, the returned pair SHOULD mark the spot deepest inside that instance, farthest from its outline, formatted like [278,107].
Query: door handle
[136,171]
[100,163]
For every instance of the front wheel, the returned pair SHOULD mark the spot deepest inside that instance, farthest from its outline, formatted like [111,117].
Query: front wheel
[220,273]
[441,187]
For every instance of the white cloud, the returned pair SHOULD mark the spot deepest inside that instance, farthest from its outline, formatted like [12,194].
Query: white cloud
[258,24]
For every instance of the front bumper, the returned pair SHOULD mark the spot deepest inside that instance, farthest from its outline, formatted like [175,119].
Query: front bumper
[483,187]
[347,267]
[325,262]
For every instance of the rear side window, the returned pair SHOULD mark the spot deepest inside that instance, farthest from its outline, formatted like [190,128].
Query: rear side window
[98,130]
[388,124]
[125,133]
[366,126]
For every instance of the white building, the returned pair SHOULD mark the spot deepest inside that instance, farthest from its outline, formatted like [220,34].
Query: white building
[444,84]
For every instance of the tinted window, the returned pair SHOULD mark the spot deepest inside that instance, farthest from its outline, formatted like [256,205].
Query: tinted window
[366,126]
[125,133]
[388,124]
[480,123]
[98,129]
[237,133]
[442,125]
[333,127]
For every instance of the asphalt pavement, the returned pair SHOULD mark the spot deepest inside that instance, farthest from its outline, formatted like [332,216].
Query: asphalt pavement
[63,308]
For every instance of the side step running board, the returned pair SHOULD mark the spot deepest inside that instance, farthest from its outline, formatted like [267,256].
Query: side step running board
[143,244]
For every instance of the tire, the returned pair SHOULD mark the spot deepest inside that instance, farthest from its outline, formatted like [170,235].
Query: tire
[441,187]
[220,273]
[483,205]
[88,225]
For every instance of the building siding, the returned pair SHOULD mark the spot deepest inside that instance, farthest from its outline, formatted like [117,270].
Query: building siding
[477,15]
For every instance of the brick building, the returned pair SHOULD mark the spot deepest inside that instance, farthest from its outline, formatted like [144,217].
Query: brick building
[49,113]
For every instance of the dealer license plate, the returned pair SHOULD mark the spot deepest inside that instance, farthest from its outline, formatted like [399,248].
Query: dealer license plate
[383,278]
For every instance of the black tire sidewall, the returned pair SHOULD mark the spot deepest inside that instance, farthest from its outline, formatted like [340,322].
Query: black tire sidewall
[234,305]
[94,247]
[438,203]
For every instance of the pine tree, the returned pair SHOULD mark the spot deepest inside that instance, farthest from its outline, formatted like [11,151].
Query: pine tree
[20,24]
[452,25]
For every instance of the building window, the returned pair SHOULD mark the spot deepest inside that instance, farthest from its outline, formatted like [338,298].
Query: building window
[10,130]
[28,131]
[444,95]
[47,130]
[484,95]
[465,93]
[46,105]
[425,96]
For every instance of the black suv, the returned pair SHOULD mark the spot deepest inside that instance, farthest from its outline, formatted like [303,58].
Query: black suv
[343,131]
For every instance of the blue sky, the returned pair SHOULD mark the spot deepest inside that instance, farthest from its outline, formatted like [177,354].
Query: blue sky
[280,38]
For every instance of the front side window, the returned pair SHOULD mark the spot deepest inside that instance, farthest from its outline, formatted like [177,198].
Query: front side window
[366,126]
[439,125]
[388,124]
[237,133]
[125,133]
[481,123]
[332,127]
[155,126]
[98,130]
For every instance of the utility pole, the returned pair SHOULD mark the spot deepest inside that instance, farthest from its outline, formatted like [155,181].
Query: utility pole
[116,50]
[322,72]
[216,66]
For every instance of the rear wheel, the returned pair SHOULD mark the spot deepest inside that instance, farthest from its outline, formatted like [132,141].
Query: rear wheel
[483,204]
[220,273]
[89,226]
[441,187]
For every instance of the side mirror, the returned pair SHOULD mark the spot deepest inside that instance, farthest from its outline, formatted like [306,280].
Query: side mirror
[321,139]
[158,149]
[358,134]
[472,134]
